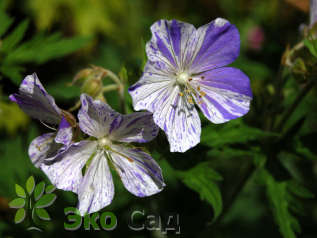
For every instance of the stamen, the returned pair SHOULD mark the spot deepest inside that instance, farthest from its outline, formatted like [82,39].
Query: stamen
[202,94]
[190,100]
[181,94]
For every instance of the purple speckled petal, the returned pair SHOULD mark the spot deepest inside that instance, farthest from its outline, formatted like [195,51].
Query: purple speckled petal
[65,172]
[218,45]
[149,89]
[96,190]
[180,121]
[36,102]
[136,127]
[95,117]
[228,94]
[65,132]
[140,174]
[172,41]
[44,147]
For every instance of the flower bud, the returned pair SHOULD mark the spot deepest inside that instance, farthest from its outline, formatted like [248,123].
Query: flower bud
[92,86]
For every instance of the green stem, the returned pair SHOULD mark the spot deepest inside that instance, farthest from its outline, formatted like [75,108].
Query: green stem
[305,90]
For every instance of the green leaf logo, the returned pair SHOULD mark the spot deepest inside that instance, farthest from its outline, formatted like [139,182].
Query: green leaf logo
[42,197]
[39,190]
[19,216]
[46,200]
[17,203]
[30,184]
[20,191]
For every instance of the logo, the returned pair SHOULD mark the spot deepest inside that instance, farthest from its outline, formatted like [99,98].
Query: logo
[107,220]
[32,203]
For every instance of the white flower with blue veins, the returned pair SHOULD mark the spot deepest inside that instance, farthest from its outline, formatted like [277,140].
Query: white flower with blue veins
[109,134]
[186,67]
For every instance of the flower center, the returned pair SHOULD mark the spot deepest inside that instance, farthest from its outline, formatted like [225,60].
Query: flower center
[104,141]
[182,78]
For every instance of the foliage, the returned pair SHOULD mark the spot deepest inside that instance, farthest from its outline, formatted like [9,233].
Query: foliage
[39,49]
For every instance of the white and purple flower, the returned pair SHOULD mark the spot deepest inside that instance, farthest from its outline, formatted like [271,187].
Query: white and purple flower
[186,65]
[109,134]
[37,103]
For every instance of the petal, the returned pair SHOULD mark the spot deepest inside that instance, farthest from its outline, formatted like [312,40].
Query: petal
[36,102]
[140,174]
[159,49]
[228,94]
[149,89]
[180,121]
[96,190]
[95,117]
[136,127]
[43,147]
[64,133]
[218,44]
[172,43]
[66,171]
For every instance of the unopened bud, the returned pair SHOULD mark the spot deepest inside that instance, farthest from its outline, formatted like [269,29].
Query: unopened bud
[92,87]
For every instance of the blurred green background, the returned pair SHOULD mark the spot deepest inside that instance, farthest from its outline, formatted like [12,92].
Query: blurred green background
[248,178]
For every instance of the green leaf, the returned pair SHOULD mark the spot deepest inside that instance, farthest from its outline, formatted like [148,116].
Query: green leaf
[311,45]
[231,133]
[15,37]
[51,47]
[39,190]
[50,188]
[6,22]
[299,190]
[202,180]
[280,201]
[13,72]
[30,184]
[42,214]
[20,191]
[17,203]
[46,200]
[19,215]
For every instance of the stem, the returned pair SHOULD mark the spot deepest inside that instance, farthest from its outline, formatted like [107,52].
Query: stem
[242,183]
[296,102]
[120,86]
[109,88]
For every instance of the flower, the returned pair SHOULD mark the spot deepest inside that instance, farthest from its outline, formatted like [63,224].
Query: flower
[109,134]
[186,65]
[37,103]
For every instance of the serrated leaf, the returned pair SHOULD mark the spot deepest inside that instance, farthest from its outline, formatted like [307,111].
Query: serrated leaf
[14,37]
[30,184]
[279,197]
[42,214]
[46,200]
[39,190]
[202,180]
[20,191]
[17,203]
[232,133]
[19,215]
